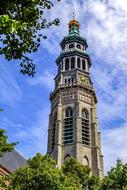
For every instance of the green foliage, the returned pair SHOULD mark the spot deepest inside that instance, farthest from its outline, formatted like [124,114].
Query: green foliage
[93,183]
[4,145]
[41,174]
[21,30]
[117,178]
[79,173]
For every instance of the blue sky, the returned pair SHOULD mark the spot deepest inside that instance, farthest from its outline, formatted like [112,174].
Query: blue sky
[26,100]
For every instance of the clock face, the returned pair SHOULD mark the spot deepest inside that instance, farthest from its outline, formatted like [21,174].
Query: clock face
[83,79]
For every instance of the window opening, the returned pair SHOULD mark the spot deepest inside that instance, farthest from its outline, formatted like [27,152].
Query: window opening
[62,65]
[53,132]
[85,128]
[66,64]
[71,46]
[78,63]
[78,46]
[72,62]
[65,80]
[83,65]
[85,161]
[68,126]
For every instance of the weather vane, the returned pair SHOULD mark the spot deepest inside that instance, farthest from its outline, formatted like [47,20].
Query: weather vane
[74,15]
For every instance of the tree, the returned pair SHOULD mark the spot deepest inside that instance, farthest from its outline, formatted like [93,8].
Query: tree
[80,173]
[21,30]
[94,183]
[116,178]
[40,174]
[4,145]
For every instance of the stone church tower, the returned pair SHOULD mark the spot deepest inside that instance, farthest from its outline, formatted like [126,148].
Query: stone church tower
[73,123]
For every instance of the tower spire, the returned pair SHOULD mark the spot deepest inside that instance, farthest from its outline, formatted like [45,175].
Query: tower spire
[74,15]
[74,26]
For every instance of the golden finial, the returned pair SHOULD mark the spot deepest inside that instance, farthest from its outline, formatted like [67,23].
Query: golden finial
[74,21]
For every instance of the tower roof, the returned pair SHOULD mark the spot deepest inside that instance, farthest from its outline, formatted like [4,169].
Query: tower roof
[74,34]
[74,27]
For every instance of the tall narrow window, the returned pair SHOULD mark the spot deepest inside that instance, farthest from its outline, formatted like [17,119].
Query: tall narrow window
[83,65]
[65,81]
[66,64]
[68,126]
[62,65]
[72,62]
[53,131]
[85,127]
[78,63]
[78,46]
[69,80]
[85,161]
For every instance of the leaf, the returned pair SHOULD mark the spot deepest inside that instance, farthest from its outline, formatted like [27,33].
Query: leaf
[21,22]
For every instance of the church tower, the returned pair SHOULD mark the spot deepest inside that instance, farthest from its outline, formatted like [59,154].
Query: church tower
[73,123]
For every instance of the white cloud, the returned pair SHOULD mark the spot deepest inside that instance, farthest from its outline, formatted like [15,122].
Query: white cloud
[34,138]
[103,23]
[114,145]
[46,79]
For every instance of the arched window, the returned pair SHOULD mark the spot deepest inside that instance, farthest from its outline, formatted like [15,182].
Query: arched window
[68,126]
[71,46]
[72,62]
[78,63]
[67,157]
[83,65]
[85,114]
[85,127]
[78,46]
[65,81]
[69,112]
[85,161]
[66,64]
[69,80]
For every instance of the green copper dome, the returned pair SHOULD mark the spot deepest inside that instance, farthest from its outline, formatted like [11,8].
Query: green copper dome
[74,35]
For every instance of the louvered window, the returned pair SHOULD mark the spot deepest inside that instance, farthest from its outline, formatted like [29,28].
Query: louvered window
[85,128]
[53,131]
[68,126]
